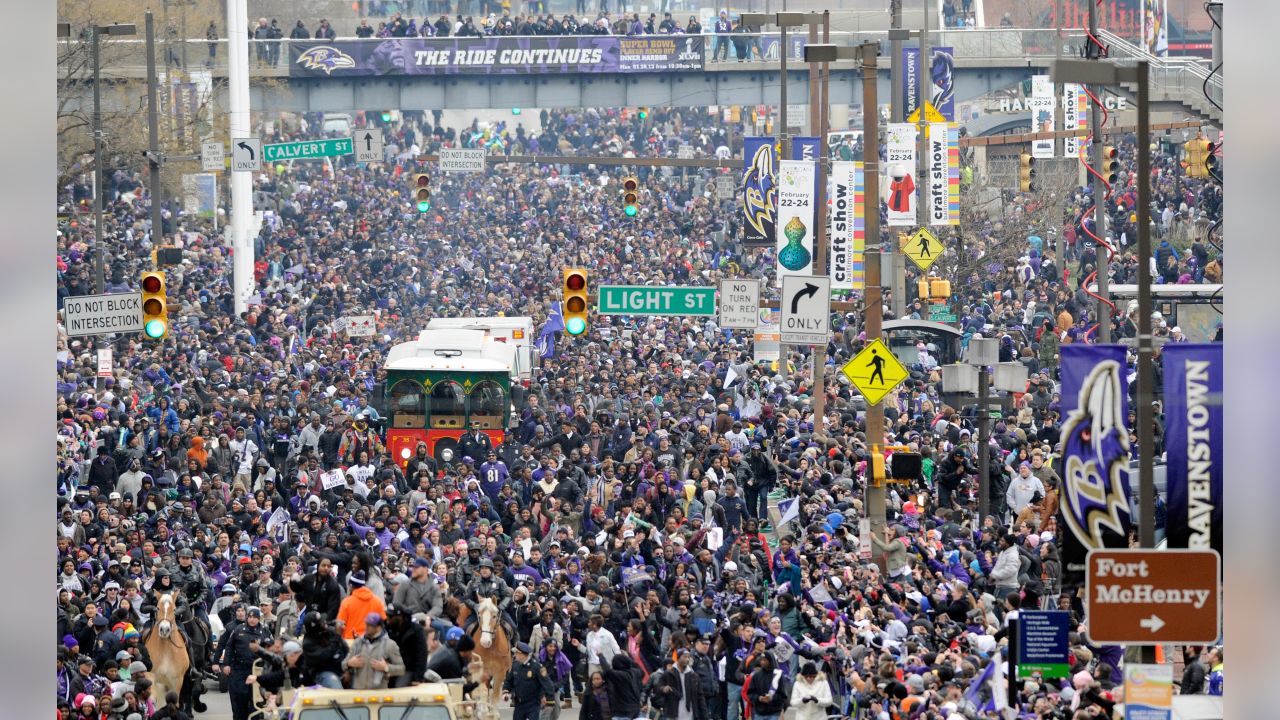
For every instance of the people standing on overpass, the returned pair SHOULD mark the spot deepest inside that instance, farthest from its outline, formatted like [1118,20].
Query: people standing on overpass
[722,30]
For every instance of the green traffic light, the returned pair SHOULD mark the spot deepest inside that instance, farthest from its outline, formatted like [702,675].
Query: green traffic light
[386,117]
[424,206]
[631,210]
[515,111]
[644,114]
[575,326]
[155,329]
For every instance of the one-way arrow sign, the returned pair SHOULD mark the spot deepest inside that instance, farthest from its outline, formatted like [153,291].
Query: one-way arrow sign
[368,146]
[806,309]
[246,155]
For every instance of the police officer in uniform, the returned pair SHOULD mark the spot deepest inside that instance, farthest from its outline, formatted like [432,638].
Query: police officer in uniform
[237,657]
[527,686]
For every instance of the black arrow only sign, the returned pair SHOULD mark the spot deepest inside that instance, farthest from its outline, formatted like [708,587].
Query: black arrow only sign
[368,142]
[247,148]
[809,289]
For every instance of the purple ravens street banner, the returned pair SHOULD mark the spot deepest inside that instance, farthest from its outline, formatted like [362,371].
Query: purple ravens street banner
[759,191]
[496,56]
[1193,444]
[1094,501]
[941,74]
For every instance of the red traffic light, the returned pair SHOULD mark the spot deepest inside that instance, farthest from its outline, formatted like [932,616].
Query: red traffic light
[575,281]
[422,181]
[151,284]
[630,184]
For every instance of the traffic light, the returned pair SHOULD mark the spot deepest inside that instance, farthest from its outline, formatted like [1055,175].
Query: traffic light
[575,300]
[1194,149]
[155,306]
[386,116]
[643,113]
[630,196]
[422,191]
[1110,164]
[1211,150]
[1027,173]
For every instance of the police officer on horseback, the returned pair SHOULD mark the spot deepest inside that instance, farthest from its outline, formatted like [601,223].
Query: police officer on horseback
[488,585]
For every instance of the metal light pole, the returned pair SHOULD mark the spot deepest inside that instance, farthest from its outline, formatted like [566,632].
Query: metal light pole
[1099,213]
[783,20]
[99,232]
[973,377]
[153,137]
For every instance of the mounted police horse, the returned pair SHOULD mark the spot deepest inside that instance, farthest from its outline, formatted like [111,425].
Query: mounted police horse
[199,641]
[167,647]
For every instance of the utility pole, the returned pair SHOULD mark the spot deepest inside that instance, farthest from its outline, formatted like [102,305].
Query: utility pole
[1146,351]
[99,232]
[1094,52]
[818,87]
[153,137]
[239,127]
[874,303]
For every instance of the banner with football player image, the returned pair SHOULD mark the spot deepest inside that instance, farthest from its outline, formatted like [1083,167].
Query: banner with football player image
[900,172]
[794,221]
[1093,504]
[759,191]
[1193,444]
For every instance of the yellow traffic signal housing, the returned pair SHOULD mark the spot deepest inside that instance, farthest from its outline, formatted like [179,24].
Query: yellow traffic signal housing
[155,306]
[1026,173]
[630,196]
[422,191]
[576,301]
[1110,164]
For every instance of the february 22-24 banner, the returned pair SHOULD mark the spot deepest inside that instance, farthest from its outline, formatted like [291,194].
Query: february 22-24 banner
[900,168]
[496,56]
[847,234]
[794,228]
[1094,502]
[759,191]
[1193,443]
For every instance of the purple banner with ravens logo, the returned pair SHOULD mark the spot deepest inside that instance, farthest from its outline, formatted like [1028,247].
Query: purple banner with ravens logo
[496,56]
[759,191]
[1094,507]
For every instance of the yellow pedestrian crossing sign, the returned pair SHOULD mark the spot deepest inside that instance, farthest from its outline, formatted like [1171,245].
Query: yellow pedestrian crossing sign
[875,372]
[931,114]
[923,248]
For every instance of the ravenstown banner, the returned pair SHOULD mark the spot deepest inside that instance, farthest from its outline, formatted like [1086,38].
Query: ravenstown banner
[759,191]
[941,79]
[1193,443]
[1094,502]
[544,55]
[794,224]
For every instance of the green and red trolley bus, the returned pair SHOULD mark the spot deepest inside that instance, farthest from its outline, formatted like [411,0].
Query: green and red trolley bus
[439,384]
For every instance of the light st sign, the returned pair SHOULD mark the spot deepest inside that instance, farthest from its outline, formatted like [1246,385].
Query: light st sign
[308,149]
[1153,597]
[656,300]
[103,314]
[739,304]
[806,309]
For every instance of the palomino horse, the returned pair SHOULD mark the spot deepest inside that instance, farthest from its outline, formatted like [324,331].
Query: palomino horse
[492,645]
[167,648]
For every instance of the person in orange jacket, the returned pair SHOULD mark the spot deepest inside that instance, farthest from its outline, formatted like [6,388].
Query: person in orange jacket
[357,606]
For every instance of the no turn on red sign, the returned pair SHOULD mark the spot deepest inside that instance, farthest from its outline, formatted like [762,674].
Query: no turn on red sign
[1153,597]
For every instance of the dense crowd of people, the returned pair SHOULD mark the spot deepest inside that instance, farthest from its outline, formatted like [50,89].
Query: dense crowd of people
[631,548]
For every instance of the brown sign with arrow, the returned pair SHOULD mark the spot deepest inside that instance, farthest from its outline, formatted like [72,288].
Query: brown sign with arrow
[1153,597]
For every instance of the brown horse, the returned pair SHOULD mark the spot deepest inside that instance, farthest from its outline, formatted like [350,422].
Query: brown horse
[167,648]
[492,645]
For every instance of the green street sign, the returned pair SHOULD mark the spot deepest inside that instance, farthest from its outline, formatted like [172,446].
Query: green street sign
[942,317]
[656,300]
[307,149]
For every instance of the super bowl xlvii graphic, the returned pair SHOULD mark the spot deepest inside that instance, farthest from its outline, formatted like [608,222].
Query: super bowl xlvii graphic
[1094,502]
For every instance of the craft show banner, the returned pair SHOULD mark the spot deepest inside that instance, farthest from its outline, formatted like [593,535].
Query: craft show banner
[1094,505]
[847,232]
[1193,443]
[944,174]
[496,56]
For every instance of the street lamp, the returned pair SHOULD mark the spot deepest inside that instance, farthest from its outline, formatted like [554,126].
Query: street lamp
[1096,72]
[972,378]
[99,234]
[783,20]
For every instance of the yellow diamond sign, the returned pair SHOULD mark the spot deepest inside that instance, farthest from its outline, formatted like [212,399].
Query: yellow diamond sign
[875,372]
[923,248]
[931,114]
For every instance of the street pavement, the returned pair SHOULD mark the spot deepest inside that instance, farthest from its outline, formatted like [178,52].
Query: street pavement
[220,709]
